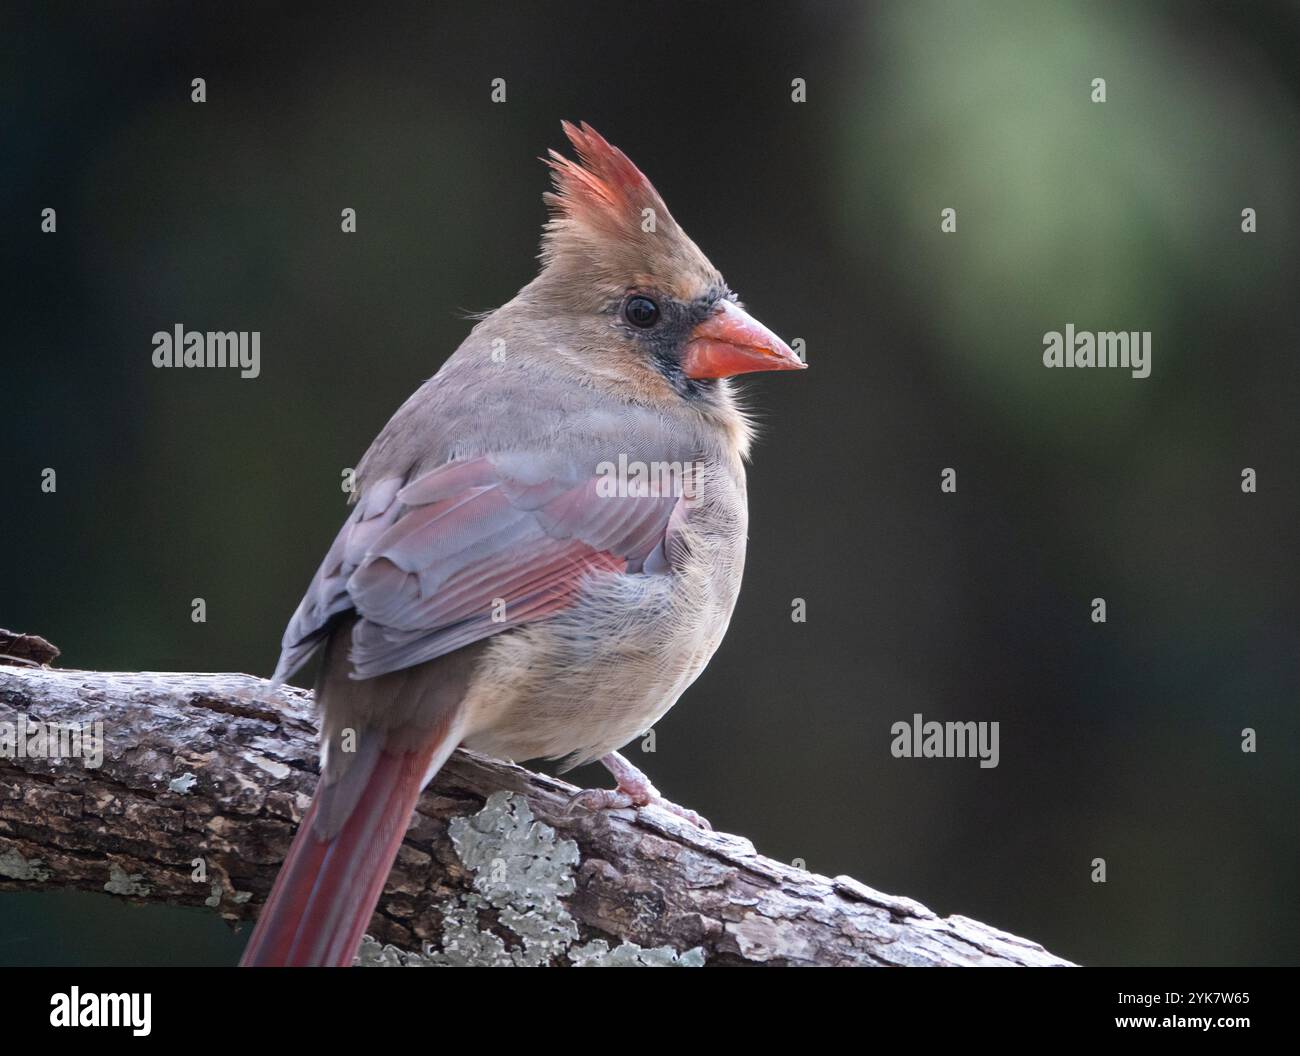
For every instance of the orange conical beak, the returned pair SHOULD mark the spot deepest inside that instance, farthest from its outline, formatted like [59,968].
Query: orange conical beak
[731,342]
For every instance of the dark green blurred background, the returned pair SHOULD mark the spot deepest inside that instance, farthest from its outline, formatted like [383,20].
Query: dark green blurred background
[1119,741]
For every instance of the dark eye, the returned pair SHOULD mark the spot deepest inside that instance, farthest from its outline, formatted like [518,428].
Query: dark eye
[641,311]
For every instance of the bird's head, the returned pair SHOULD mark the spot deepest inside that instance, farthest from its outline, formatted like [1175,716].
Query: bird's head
[648,307]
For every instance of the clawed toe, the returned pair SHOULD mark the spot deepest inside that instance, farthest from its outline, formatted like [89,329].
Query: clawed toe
[634,790]
[685,813]
[598,799]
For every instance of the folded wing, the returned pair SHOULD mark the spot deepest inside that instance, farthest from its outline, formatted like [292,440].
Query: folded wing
[468,550]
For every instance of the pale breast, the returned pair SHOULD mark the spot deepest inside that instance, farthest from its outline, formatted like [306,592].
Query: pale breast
[586,681]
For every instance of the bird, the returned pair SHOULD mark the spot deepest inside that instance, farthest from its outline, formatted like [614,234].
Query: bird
[544,549]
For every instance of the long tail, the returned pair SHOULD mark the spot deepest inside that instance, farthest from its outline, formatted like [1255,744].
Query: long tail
[333,876]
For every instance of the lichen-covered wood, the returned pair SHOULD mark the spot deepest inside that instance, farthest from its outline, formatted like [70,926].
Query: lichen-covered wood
[204,777]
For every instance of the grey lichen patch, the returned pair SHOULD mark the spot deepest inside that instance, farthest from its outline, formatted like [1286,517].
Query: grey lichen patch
[512,854]
[14,866]
[464,944]
[122,883]
[183,783]
[373,955]
[597,954]
[522,872]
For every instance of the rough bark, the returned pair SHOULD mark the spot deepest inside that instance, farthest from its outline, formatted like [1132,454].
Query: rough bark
[204,777]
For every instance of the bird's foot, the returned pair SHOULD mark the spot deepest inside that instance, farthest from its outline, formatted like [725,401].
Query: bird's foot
[596,799]
[634,790]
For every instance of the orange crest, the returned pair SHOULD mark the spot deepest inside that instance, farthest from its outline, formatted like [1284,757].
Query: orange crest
[603,188]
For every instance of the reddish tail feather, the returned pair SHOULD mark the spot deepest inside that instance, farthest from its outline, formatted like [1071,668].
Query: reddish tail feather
[328,887]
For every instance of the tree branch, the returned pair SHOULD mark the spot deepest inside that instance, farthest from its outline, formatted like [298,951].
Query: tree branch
[204,777]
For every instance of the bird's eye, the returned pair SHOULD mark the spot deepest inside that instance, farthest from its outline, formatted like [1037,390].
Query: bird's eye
[641,311]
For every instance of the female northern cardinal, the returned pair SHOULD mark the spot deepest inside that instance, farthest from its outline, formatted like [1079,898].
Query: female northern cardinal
[546,545]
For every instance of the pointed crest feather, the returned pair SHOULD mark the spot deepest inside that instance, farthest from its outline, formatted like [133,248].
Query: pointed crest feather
[598,235]
[603,187]
[599,200]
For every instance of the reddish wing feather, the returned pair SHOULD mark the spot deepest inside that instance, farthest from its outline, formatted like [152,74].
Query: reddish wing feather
[461,544]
